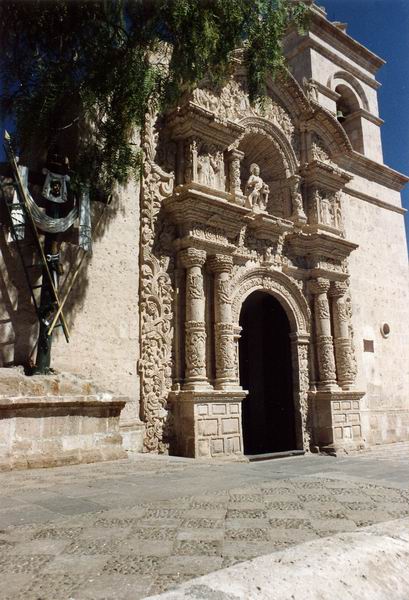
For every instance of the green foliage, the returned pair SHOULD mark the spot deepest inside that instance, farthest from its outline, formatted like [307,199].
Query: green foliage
[88,68]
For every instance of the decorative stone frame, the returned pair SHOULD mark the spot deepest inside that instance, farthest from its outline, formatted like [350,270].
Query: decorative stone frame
[296,308]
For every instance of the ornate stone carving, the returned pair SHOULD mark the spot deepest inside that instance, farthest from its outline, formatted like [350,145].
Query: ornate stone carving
[225,352]
[324,341]
[344,354]
[192,257]
[233,103]
[190,160]
[225,347]
[256,191]
[194,287]
[249,279]
[298,214]
[235,157]
[318,151]
[326,362]
[301,352]
[311,89]
[195,329]
[156,297]
[326,209]
[195,350]
[210,167]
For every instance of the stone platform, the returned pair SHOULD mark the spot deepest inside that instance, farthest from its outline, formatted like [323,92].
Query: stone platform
[52,420]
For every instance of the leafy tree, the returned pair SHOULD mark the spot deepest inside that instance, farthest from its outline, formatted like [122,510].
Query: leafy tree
[87,68]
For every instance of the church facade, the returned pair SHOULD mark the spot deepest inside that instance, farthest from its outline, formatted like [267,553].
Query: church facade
[256,278]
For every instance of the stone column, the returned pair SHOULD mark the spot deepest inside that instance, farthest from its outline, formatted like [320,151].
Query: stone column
[325,348]
[225,353]
[344,357]
[195,327]
[300,344]
[234,158]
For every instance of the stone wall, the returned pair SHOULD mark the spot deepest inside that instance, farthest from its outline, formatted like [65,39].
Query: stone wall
[380,294]
[104,312]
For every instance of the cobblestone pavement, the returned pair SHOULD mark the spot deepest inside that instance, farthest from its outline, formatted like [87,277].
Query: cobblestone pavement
[129,529]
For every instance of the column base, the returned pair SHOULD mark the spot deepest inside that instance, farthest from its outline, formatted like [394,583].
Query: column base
[197,386]
[207,424]
[337,425]
[330,386]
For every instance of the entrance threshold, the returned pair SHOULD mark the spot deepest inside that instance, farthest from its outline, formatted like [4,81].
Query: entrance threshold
[272,455]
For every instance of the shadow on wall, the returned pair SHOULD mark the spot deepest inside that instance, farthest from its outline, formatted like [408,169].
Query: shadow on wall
[18,320]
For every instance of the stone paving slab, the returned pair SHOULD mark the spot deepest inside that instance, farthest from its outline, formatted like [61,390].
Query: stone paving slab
[152,523]
[368,564]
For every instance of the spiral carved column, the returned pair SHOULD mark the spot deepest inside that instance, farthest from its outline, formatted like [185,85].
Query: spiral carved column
[225,351]
[195,327]
[344,357]
[325,347]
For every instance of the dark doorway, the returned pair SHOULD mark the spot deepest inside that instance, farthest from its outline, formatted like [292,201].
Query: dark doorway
[266,372]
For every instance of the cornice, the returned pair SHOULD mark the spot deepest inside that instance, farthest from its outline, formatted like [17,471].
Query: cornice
[358,164]
[361,112]
[317,172]
[371,200]
[318,244]
[340,40]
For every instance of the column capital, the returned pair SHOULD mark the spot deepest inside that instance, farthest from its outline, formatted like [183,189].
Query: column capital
[220,263]
[192,257]
[235,153]
[338,289]
[319,285]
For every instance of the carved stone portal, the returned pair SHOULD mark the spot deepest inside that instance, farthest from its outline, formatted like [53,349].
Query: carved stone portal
[243,216]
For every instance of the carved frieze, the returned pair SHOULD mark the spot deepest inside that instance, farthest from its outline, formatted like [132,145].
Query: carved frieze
[233,103]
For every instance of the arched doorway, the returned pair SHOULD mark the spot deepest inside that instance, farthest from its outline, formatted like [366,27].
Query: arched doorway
[268,413]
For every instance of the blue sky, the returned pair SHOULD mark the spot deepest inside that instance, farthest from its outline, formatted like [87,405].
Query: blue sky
[383,27]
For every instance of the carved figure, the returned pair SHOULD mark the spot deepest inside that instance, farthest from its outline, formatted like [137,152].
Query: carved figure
[311,89]
[256,190]
[326,211]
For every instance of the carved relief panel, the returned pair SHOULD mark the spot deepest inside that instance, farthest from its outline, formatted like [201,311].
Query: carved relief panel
[325,208]
[210,166]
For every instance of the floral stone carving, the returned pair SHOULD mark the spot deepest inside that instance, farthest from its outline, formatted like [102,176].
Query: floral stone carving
[156,298]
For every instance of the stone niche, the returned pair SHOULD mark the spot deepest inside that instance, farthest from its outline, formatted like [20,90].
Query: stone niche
[54,420]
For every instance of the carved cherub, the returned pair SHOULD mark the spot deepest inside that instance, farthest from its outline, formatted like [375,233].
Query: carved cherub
[256,190]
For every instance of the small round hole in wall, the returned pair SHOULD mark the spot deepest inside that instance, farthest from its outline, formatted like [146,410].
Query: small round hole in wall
[385,330]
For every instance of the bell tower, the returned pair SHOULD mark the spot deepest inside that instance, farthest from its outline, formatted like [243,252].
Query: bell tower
[339,74]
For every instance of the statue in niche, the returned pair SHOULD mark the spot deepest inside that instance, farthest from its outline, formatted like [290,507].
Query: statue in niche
[209,168]
[256,190]
[298,214]
[326,216]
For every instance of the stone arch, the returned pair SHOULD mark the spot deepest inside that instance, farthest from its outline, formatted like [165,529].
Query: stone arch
[260,126]
[281,287]
[296,308]
[346,79]
[326,126]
